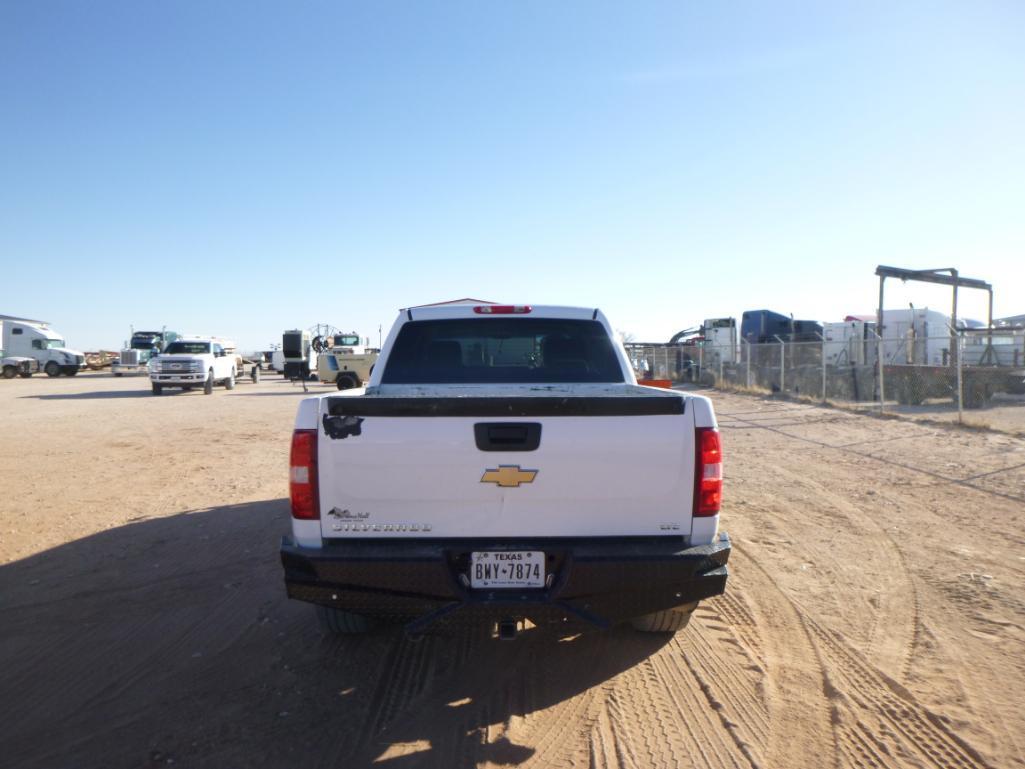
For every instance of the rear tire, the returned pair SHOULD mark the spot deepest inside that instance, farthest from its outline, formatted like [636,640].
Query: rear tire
[10,372]
[157,389]
[208,385]
[52,369]
[666,621]
[338,622]
[346,382]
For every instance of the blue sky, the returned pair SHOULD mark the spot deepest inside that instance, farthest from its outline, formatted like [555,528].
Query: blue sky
[242,168]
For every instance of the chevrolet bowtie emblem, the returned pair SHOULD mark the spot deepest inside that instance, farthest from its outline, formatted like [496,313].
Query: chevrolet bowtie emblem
[508,476]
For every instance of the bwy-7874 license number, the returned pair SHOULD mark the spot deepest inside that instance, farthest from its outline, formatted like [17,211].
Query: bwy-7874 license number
[518,568]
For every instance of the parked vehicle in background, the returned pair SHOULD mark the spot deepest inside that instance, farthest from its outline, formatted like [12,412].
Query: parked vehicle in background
[13,366]
[763,326]
[503,465]
[300,359]
[345,360]
[24,338]
[134,359]
[195,361]
[850,342]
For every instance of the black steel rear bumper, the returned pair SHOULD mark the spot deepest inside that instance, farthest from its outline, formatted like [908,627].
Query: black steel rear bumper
[422,582]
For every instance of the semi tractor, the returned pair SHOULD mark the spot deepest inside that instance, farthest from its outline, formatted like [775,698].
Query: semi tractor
[140,349]
[35,339]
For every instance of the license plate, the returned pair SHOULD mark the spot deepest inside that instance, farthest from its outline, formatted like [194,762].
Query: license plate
[516,568]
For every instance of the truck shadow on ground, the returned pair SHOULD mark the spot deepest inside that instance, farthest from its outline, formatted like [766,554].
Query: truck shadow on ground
[98,395]
[171,639]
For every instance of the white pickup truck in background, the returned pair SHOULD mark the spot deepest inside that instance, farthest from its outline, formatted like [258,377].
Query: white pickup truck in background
[195,361]
[503,465]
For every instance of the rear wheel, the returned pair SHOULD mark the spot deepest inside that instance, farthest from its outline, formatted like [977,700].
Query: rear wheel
[666,621]
[208,385]
[10,372]
[346,382]
[52,368]
[338,622]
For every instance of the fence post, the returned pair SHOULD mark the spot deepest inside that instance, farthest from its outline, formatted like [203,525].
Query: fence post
[748,348]
[880,356]
[820,336]
[782,366]
[701,361]
[958,338]
[720,368]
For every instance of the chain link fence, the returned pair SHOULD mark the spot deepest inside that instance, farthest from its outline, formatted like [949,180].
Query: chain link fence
[974,376]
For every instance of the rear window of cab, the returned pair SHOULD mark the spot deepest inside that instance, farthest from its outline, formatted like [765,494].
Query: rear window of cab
[502,350]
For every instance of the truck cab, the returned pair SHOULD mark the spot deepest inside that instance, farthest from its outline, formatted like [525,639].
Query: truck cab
[143,345]
[36,340]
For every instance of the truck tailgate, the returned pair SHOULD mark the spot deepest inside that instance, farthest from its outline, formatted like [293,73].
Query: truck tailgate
[602,466]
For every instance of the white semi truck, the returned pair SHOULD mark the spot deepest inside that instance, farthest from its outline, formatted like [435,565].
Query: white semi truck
[25,338]
[503,465]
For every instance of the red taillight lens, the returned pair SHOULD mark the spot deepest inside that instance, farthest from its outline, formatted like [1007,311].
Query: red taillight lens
[302,475]
[708,473]
[502,309]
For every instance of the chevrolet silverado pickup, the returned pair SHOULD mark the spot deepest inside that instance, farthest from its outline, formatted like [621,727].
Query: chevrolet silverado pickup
[502,465]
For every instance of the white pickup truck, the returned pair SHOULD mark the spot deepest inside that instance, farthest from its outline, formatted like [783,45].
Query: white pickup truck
[191,362]
[503,465]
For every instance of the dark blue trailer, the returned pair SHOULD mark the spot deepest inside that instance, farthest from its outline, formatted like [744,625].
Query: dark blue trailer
[762,326]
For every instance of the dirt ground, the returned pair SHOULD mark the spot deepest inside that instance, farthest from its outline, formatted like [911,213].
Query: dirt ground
[874,617]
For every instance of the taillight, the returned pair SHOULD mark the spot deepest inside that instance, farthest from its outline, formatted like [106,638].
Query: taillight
[302,475]
[502,309]
[708,473]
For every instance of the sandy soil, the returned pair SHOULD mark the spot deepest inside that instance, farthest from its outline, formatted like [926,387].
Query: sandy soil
[874,617]
[1004,413]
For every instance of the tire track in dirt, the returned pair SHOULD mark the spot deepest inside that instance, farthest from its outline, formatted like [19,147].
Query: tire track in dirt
[649,731]
[903,726]
[929,585]
[733,686]
[733,610]
[897,607]
[795,682]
